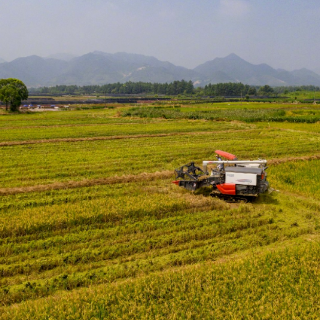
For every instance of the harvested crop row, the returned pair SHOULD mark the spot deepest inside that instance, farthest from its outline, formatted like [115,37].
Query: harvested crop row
[115,129]
[41,164]
[159,135]
[24,165]
[125,178]
[87,183]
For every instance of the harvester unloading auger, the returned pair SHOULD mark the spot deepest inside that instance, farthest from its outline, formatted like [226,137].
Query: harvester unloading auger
[232,180]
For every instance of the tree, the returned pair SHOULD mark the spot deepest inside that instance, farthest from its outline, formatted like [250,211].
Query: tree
[252,91]
[265,91]
[13,91]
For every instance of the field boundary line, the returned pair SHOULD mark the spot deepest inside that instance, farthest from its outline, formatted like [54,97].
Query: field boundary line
[118,137]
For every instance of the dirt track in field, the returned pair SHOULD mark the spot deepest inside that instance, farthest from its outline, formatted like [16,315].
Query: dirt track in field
[156,135]
[290,159]
[89,183]
[123,179]
[72,125]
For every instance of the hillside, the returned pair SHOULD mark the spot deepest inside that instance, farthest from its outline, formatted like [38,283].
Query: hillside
[236,69]
[101,68]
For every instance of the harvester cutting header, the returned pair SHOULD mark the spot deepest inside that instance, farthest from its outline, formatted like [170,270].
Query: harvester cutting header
[232,180]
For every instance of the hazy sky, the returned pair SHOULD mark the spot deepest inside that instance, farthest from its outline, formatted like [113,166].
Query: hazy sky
[281,33]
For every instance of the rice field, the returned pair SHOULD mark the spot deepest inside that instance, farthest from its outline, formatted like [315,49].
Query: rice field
[91,226]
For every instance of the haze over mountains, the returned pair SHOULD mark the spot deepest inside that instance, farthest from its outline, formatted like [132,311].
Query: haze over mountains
[101,68]
[62,56]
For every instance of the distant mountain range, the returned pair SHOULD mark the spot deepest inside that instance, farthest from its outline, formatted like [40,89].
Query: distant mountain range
[101,68]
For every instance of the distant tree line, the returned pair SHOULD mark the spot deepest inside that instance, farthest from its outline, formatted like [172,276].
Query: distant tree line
[174,88]
[229,89]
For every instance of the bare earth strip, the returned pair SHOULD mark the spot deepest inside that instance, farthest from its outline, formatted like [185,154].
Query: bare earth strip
[303,158]
[89,183]
[123,179]
[156,135]
[76,125]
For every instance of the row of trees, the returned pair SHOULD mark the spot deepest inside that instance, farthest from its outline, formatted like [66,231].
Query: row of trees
[173,88]
[229,89]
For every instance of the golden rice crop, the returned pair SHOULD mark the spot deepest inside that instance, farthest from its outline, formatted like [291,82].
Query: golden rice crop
[92,228]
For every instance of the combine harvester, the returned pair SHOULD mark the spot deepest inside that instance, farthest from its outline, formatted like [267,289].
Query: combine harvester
[232,180]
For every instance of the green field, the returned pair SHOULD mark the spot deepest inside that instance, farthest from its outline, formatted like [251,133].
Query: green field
[91,226]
